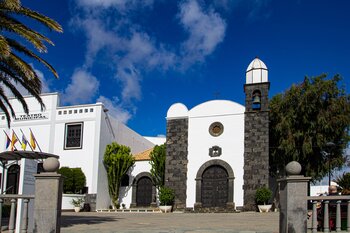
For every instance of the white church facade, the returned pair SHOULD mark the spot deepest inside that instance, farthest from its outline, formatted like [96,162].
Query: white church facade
[217,151]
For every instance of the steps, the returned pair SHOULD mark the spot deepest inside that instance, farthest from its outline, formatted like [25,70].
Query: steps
[133,210]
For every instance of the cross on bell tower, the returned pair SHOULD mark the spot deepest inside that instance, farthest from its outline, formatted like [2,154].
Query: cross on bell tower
[256,131]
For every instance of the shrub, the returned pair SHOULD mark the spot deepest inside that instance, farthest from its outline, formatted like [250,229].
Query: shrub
[157,162]
[166,196]
[74,179]
[77,202]
[263,195]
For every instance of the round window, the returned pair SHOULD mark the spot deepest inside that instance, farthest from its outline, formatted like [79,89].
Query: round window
[216,129]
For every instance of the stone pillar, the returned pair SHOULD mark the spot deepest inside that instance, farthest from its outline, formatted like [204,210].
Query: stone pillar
[293,201]
[176,159]
[48,200]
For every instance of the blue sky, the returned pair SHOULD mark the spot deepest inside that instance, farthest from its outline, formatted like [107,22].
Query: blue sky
[139,57]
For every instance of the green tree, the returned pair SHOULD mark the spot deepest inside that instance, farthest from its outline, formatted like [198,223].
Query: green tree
[68,179]
[303,120]
[74,179]
[117,161]
[14,36]
[158,165]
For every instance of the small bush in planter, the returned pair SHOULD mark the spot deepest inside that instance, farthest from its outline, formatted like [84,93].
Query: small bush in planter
[166,196]
[263,195]
[77,202]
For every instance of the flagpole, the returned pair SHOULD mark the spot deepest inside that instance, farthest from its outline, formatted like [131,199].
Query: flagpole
[14,144]
[7,138]
[35,139]
[26,140]
[17,138]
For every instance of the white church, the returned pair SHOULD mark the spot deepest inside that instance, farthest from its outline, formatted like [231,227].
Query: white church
[205,147]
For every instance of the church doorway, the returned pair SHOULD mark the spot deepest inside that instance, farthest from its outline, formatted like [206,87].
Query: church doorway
[214,187]
[144,192]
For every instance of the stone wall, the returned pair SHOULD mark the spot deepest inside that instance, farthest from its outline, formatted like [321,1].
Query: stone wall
[176,159]
[256,145]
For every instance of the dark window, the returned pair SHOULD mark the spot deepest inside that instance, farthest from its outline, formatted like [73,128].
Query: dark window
[125,180]
[80,110]
[91,109]
[75,111]
[59,112]
[40,168]
[86,110]
[74,136]
[12,179]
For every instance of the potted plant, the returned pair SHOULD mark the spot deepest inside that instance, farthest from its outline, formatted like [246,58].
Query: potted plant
[166,199]
[76,202]
[262,197]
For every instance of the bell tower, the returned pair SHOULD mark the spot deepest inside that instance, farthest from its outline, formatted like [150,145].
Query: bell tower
[256,131]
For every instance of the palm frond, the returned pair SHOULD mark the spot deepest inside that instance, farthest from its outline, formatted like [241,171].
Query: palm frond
[48,22]
[4,47]
[10,24]
[15,92]
[17,46]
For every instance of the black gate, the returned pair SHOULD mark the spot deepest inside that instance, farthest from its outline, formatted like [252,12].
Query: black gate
[144,192]
[214,187]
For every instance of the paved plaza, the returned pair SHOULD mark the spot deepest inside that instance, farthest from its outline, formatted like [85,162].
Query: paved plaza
[245,222]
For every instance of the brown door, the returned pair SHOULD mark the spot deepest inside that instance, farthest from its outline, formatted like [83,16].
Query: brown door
[214,187]
[144,192]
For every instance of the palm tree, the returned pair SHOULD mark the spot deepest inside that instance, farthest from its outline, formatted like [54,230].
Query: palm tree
[13,69]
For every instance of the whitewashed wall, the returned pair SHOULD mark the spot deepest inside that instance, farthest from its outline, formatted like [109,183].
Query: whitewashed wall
[231,115]
[125,196]
[98,131]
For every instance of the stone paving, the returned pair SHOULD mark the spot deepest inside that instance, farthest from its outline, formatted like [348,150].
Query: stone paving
[244,222]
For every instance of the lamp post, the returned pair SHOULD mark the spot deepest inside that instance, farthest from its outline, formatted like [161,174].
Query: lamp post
[330,146]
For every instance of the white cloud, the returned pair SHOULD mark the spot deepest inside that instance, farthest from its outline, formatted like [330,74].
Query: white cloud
[128,53]
[121,5]
[131,51]
[115,109]
[98,37]
[45,84]
[82,89]
[206,30]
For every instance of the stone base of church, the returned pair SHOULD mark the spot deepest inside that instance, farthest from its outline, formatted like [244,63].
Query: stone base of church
[152,205]
[230,208]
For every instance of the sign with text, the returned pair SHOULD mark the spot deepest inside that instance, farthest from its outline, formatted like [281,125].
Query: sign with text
[31,116]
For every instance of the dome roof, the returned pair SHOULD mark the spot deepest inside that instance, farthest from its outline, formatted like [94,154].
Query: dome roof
[177,110]
[257,72]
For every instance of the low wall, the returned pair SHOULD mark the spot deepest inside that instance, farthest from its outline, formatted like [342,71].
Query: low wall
[67,198]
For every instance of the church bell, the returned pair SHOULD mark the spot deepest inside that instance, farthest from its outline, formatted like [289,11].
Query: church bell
[256,99]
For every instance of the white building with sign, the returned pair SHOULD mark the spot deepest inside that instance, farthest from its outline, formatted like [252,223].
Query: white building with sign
[77,134]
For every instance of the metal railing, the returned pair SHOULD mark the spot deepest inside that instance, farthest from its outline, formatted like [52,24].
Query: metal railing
[326,201]
[12,220]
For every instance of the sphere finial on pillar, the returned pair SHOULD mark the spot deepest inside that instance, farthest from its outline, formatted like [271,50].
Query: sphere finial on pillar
[293,168]
[51,164]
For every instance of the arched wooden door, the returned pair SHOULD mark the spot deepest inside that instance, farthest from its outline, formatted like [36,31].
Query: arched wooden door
[12,179]
[144,192]
[214,187]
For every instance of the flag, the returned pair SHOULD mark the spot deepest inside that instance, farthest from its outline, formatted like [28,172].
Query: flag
[32,140]
[24,142]
[14,140]
[8,141]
